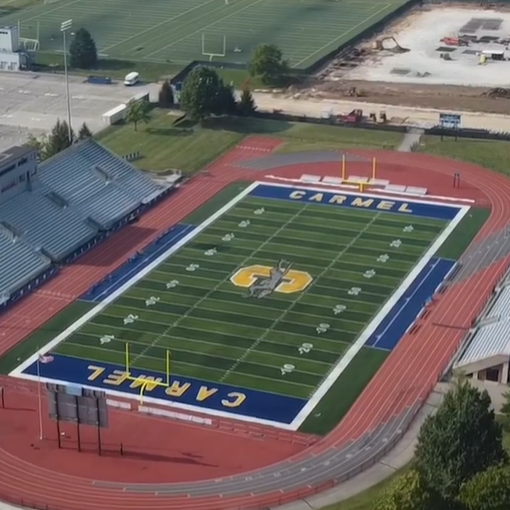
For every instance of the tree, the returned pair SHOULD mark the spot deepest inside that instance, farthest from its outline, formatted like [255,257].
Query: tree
[267,62]
[138,111]
[83,50]
[226,103]
[58,139]
[505,409]
[488,490]
[458,442]
[84,132]
[405,493]
[204,94]
[246,105]
[166,95]
[38,143]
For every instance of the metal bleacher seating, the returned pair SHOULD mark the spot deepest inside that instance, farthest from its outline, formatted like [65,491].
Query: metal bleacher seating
[95,182]
[19,262]
[46,223]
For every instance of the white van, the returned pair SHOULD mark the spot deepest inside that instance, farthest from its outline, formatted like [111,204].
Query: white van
[131,79]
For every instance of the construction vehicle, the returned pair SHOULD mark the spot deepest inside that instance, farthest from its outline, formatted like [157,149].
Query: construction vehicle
[351,118]
[455,41]
[395,48]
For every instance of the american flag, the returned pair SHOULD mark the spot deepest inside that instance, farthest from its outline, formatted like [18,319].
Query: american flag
[45,359]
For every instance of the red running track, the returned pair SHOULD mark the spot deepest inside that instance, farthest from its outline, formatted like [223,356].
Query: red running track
[408,375]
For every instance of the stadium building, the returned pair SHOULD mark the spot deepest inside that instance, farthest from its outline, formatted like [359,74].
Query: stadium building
[52,212]
[485,356]
[13,56]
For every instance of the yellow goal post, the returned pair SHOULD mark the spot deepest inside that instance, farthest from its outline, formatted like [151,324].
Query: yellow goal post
[143,381]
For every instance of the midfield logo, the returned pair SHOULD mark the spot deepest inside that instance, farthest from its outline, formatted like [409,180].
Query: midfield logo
[261,281]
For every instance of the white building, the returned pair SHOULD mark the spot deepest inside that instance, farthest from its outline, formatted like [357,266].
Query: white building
[12,56]
[486,355]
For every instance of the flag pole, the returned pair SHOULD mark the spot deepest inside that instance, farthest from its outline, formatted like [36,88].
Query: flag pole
[39,397]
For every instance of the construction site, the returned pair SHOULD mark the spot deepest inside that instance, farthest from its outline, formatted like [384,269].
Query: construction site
[458,55]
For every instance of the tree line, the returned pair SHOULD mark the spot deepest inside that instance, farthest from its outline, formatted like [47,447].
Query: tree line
[460,462]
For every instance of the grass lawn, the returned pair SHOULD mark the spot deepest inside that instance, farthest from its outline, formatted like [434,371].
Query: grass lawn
[165,146]
[489,154]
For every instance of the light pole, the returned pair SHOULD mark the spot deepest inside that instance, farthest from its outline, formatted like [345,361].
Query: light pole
[64,27]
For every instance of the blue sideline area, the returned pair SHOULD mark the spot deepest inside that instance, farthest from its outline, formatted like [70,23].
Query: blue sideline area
[409,306]
[136,263]
[353,201]
[183,390]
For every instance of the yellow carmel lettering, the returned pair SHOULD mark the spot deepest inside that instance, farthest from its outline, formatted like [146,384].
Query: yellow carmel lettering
[152,382]
[362,202]
[116,378]
[204,393]
[318,197]
[96,372]
[337,199]
[177,389]
[405,209]
[297,195]
[238,399]
[385,205]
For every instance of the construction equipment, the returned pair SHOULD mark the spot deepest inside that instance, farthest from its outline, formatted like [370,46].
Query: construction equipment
[351,118]
[455,41]
[395,48]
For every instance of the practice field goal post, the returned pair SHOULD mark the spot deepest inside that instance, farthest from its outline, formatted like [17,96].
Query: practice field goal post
[145,382]
[214,46]
[31,42]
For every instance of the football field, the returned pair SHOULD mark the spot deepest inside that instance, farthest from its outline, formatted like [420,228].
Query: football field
[180,31]
[261,307]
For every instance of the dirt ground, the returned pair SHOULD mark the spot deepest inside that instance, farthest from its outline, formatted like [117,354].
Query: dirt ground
[441,97]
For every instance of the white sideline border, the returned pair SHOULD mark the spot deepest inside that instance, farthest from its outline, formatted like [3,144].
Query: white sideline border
[336,371]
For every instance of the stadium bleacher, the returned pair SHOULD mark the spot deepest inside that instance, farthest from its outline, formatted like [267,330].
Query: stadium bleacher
[53,211]
[87,171]
[19,262]
[55,229]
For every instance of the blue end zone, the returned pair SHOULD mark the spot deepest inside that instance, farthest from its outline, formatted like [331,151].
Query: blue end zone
[194,392]
[408,307]
[136,263]
[409,208]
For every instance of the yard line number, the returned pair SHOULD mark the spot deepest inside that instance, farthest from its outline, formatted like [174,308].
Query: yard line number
[172,284]
[152,301]
[369,274]
[322,328]
[259,211]
[244,224]
[383,258]
[211,252]
[105,339]
[287,369]
[409,228]
[130,319]
[339,309]
[228,237]
[305,348]
[192,267]
[397,243]
[354,291]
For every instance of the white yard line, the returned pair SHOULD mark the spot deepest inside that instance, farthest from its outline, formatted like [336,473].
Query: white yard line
[331,378]
[369,330]
[290,308]
[217,286]
[17,372]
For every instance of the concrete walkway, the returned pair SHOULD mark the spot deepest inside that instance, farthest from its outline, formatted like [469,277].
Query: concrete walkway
[411,140]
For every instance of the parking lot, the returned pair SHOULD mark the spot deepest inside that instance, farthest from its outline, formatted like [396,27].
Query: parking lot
[33,102]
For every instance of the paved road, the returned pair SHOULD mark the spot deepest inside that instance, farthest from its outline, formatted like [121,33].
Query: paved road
[33,102]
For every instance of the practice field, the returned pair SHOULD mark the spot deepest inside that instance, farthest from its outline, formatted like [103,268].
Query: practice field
[259,309]
[180,31]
